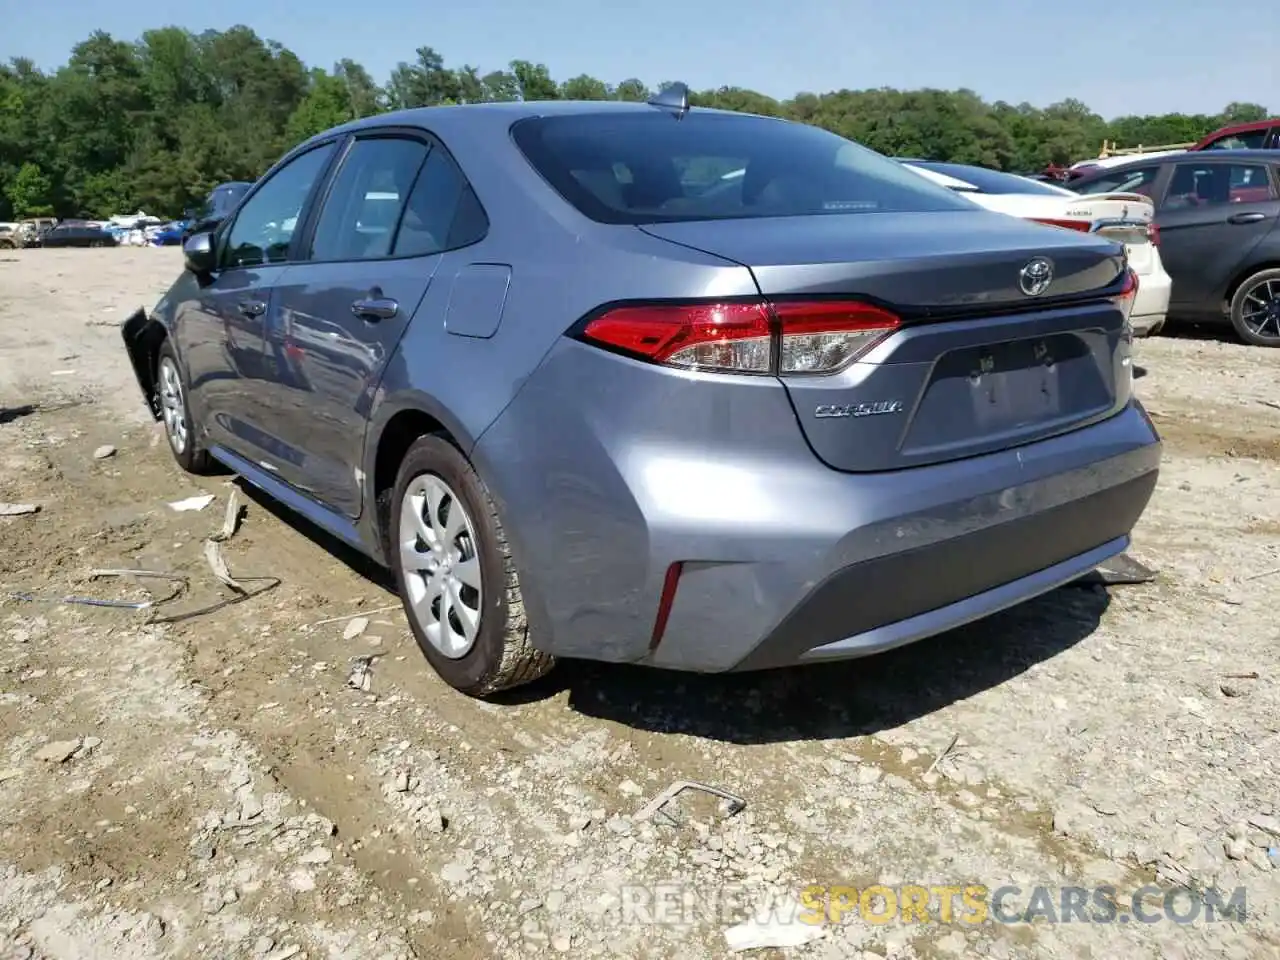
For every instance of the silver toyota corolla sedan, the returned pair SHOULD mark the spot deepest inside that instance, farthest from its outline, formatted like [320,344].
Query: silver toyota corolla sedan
[650,384]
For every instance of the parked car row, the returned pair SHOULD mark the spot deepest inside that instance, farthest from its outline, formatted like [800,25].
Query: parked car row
[1211,249]
[25,233]
[47,232]
[1253,135]
[1121,216]
[137,229]
[656,384]
[1217,213]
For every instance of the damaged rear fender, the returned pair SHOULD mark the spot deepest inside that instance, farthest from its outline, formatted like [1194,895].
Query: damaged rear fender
[143,336]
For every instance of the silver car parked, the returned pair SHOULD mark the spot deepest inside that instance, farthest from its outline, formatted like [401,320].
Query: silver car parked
[651,384]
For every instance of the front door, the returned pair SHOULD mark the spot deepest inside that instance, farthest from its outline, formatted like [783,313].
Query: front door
[222,331]
[1212,215]
[376,246]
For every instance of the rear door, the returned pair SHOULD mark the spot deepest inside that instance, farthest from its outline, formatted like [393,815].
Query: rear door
[376,246]
[1212,214]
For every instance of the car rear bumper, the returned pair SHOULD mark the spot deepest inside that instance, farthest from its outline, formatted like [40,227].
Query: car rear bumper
[778,558]
[889,601]
[1152,302]
[961,547]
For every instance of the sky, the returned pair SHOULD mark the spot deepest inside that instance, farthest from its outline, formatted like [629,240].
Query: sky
[1143,56]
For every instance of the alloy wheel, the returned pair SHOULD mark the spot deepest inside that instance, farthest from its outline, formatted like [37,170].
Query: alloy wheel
[1260,311]
[172,406]
[440,565]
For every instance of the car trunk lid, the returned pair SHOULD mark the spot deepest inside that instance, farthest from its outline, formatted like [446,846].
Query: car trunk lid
[977,364]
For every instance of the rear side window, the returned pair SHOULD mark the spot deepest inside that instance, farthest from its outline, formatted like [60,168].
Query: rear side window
[652,167]
[1130,180]
[1211,184]
[442,213]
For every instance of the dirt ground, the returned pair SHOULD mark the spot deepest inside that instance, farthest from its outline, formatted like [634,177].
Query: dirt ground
[199,779]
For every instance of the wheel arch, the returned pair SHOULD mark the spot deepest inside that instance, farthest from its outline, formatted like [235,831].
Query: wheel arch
[396,425]
[1268,263]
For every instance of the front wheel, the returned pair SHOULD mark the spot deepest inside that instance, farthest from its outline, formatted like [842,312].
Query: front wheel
[456,575]
[179,429]
[1255,309]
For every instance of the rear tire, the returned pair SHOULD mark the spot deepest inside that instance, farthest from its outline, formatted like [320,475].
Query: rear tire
[179,429]
[1255,309]
[456,576]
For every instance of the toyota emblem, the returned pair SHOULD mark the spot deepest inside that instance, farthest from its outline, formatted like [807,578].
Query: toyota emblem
[1035,277]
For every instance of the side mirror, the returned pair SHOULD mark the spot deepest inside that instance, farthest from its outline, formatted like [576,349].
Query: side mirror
[197,251]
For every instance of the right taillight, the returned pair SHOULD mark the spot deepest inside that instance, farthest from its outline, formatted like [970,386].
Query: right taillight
[783,337]
[1153,234]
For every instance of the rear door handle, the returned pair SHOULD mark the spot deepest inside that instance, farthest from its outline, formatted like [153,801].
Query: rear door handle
[375,308]
[1252,217]
[252,308]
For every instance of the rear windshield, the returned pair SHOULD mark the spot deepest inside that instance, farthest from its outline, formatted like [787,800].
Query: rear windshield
[991,181]
[654,167]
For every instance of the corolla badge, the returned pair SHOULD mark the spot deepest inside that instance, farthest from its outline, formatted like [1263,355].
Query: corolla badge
[873,409]
[1035,277]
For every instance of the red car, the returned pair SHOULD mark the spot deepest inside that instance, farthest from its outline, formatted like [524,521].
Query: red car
[1255,135]
[1258,135]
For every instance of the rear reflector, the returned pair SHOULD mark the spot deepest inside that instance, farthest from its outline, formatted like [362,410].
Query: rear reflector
[789,337]
[665,600]
[1084,226]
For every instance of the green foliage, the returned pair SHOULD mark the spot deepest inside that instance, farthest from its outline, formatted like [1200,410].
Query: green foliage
[30,192]
[155,124]
[327,104]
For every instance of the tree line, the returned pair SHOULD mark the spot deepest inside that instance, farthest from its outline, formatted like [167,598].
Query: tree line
[154,124]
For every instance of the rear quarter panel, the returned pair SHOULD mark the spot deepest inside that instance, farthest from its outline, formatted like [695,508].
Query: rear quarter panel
[562,266]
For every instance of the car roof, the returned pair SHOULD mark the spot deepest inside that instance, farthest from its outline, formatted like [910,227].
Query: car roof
[500,115]
[1199,156]
[1249,126]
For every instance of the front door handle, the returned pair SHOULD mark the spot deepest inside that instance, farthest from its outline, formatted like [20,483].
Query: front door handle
[1251,217]
[375,308]
[252,308]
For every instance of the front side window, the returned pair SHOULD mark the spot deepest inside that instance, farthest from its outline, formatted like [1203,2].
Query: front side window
[652,167]
[359,217]
[264,226]
[1213,184]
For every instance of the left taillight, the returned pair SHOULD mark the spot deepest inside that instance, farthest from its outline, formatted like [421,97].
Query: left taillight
[1128,293]
[760,336]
